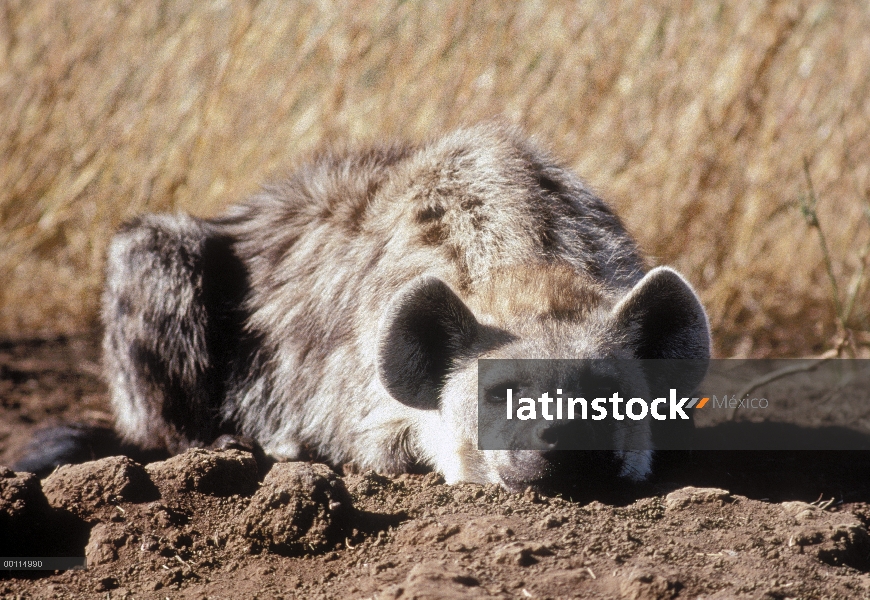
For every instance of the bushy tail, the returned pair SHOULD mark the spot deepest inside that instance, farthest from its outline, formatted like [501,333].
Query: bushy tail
[75,443]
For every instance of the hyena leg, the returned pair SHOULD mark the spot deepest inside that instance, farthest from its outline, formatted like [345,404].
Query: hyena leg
[171,310]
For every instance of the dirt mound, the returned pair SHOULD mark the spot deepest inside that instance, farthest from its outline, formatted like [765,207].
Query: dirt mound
[202,525]
[93,490]
[19,494]
[299,508]
[212,473]
[214,524]
[22,507]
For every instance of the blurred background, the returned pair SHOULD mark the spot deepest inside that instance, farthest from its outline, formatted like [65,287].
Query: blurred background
[728,135]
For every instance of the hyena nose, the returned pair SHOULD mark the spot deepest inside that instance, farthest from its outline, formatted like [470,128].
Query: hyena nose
[566,436]
[549,434]
[554,436]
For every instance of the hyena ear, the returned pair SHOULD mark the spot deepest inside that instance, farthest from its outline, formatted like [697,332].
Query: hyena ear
[664,318]
[425,328]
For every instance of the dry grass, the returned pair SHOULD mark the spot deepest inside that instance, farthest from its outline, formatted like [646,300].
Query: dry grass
[694,121]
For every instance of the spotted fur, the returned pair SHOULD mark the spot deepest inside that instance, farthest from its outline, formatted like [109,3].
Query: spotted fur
[339,314]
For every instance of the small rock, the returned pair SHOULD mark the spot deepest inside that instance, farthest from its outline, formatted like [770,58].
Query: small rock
[437,579]
[107,583]
[432,479]
[91,490]
[23,510]
[480,531]
[212,472]
[521,553]
[299,508]
[649,587]
[368,484]
[847,544]
[532,495]
[171,577]
[801,511]
[692,495]
[19,492]
[103,544]
[550,522]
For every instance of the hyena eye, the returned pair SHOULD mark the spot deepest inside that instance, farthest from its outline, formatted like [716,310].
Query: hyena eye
[497,394]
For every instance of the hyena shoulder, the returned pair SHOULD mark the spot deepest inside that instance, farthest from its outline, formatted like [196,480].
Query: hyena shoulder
[468,206]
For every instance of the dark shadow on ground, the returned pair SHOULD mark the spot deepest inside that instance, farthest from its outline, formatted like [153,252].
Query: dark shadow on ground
[805,473]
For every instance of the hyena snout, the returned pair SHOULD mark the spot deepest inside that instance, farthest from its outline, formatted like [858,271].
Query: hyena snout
[559,471]
[555,454]
[552,436]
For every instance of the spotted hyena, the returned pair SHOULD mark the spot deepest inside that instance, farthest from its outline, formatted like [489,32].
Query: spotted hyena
[340,314]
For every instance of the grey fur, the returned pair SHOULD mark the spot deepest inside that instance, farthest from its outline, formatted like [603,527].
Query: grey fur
[339,314]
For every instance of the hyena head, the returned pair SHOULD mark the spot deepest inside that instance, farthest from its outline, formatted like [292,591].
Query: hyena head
[431,340]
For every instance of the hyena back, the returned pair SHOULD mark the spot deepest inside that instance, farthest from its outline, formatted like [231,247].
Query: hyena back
[340,313]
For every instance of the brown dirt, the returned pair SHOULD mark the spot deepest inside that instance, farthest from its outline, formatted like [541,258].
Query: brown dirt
[208,524]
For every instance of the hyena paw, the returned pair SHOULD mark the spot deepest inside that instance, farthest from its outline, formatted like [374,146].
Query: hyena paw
[246,444]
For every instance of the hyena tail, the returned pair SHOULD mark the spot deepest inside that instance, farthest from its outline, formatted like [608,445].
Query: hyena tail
[172,311]
[76,443]
[173,318]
